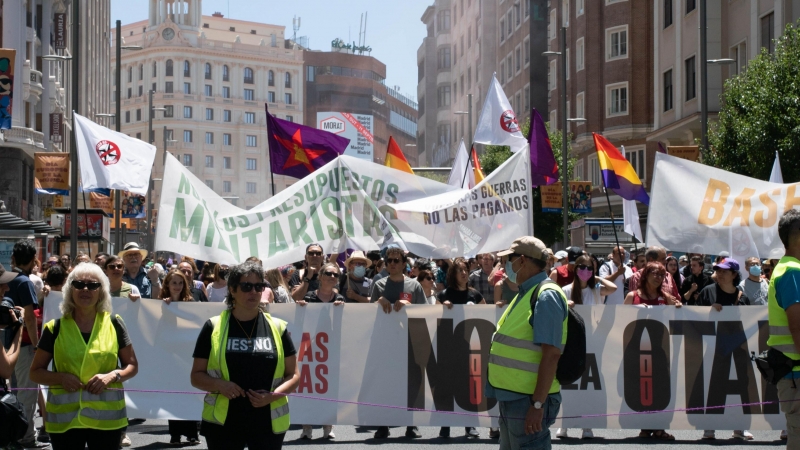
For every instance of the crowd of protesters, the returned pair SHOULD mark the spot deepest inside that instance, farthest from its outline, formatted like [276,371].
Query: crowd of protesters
[392,278]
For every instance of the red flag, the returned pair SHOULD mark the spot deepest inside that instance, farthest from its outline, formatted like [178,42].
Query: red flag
[395,157]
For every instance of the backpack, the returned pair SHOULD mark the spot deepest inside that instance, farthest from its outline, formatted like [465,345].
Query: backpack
[13,423]
[572,362]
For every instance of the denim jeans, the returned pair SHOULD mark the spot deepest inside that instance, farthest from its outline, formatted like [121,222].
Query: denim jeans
[512,424]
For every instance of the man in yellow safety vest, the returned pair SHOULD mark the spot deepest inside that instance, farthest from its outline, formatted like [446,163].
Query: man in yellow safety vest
[783,304]
[526,348]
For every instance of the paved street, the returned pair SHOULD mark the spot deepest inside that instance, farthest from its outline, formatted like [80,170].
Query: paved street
[153,434]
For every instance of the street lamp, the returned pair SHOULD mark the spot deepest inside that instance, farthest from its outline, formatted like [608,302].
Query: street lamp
[56,58]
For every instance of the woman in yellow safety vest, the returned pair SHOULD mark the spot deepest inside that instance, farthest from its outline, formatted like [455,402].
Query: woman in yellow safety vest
[246,361]
[92,355]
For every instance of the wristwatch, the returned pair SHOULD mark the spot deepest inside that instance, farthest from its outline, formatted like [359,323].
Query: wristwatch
[536,405]
[116,372]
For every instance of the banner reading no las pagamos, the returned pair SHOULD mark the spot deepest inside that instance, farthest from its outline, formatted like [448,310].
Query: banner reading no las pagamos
[420,358]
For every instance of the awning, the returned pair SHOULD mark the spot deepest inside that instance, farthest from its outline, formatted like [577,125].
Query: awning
[11,222]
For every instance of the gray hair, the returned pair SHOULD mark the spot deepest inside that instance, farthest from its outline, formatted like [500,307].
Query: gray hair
[82,269]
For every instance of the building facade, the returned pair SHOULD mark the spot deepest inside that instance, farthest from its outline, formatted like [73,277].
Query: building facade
[341,81]
[457,58]
[212,75]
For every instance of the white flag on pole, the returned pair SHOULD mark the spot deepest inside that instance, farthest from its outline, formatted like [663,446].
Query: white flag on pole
[630,218]
[776,176]
[112,160]
[457,177]
[498,124]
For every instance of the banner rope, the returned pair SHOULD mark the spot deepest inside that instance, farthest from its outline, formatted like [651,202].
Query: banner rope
[455,413]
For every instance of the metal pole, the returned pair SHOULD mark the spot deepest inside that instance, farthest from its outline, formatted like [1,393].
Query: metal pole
[469,117]
[564,137]
[703,76]
[164,158]
[117,125]
[73,191]
[152,183]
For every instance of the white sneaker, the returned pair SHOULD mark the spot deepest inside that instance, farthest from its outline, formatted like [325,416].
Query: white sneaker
[126,441]
[306,434]
[743,434]
[561,433]
[709,434]
[587,434]
[327,432]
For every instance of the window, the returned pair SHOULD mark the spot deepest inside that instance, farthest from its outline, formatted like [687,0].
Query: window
[636,158]
[469,77]
[226,75]
[270,78]
[552,74]
[187,88]
[139,115]
[208,90]
[462,47]
[768,32]
[209,161]
[169,135]
[287,80]
[187,112]
[130,93]
[518,58]
[517,14]
[668,90]
[226,186]
[226,92]
[617,98]
[526,95]
[617,42]
[210,184]
[155,69]
[579,5]
[444,134]
[502,30]
[127,117]
[249,117]
[248,75]
[565,13]
[580,105]
[577,173]
[187,159]
[187,136]
[273,41]
[287,98]
[271,97]
[251,141]
[168,89]
[251,187]
[580,51]
[594,171]
[169,67]
[130,74]
[510,22]
[209,114]
[668,8]
[187,69]
[526,50]
[691,78]
[141,91]
[226,140]
[208,71]
[690,5]
[551,25]
[290,118]
[509,69]
[739,54]
[553,118]
[443,96]
[169,111]
[251,163]
[443,22]
[249,94]
[226,161]
[154,87]
[209,137]
[226,115]
[444,58]
[455,53]
[139,136]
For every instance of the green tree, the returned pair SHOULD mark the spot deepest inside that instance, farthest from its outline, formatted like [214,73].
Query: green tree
[760,113]
[546,226]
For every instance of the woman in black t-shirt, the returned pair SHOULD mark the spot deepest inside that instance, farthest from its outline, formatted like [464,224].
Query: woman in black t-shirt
[251,360]
[325,293]
[724,291]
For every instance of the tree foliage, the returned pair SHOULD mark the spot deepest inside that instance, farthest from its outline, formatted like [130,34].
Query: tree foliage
[760,114]
[547,226]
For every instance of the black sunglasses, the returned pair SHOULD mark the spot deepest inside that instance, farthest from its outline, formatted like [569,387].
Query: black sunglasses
[80,285]
[331,274]
[115,266]
[314,253]
[584,267]
[393,260]
[247,287]
[424,278]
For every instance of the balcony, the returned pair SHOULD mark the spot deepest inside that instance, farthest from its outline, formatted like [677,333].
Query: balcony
[27,139]
[36,88]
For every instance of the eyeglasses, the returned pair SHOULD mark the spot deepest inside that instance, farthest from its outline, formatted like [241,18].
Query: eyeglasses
[81,285]
[331,274]
[583,267]
[314,253]
[393,260]
[115,266]
[247,287]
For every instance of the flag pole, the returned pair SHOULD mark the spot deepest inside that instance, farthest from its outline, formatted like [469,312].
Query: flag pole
[471,137]
[272,177]
[608,199]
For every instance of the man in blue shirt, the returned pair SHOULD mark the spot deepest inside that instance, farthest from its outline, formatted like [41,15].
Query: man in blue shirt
[527,260]
[147,282]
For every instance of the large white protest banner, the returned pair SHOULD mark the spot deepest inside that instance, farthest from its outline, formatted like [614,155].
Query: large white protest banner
[640,360]
[348,203]
[702,209]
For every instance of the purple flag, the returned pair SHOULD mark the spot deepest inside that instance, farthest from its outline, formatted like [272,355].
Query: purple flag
[544,170]
[297,150]
[661,148]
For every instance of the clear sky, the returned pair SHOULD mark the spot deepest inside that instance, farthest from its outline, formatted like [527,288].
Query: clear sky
[394,30]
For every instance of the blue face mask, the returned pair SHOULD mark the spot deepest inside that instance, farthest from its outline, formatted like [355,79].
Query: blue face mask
[755,271]
[360,271]
[512,276]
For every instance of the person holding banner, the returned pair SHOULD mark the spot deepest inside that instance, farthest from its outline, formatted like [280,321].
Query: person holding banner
[310,278]
[526,348]
[114,268]
[246,361]
[85,403]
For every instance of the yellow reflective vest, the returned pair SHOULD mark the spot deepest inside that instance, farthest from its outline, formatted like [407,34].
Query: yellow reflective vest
[215,406]
[780,338]
[514,358]
[71,354]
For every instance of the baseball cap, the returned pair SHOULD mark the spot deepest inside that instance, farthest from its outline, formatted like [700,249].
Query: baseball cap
[573,253]
[561,254]
[724,254]
[729,264]
[6,276]
[528,246]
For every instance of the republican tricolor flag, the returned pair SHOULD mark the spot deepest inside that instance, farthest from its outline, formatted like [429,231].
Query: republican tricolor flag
[617,173]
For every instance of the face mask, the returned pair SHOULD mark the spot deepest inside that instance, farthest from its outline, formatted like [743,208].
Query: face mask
[360,271]
[585,274]
[512,276]
[755,270]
